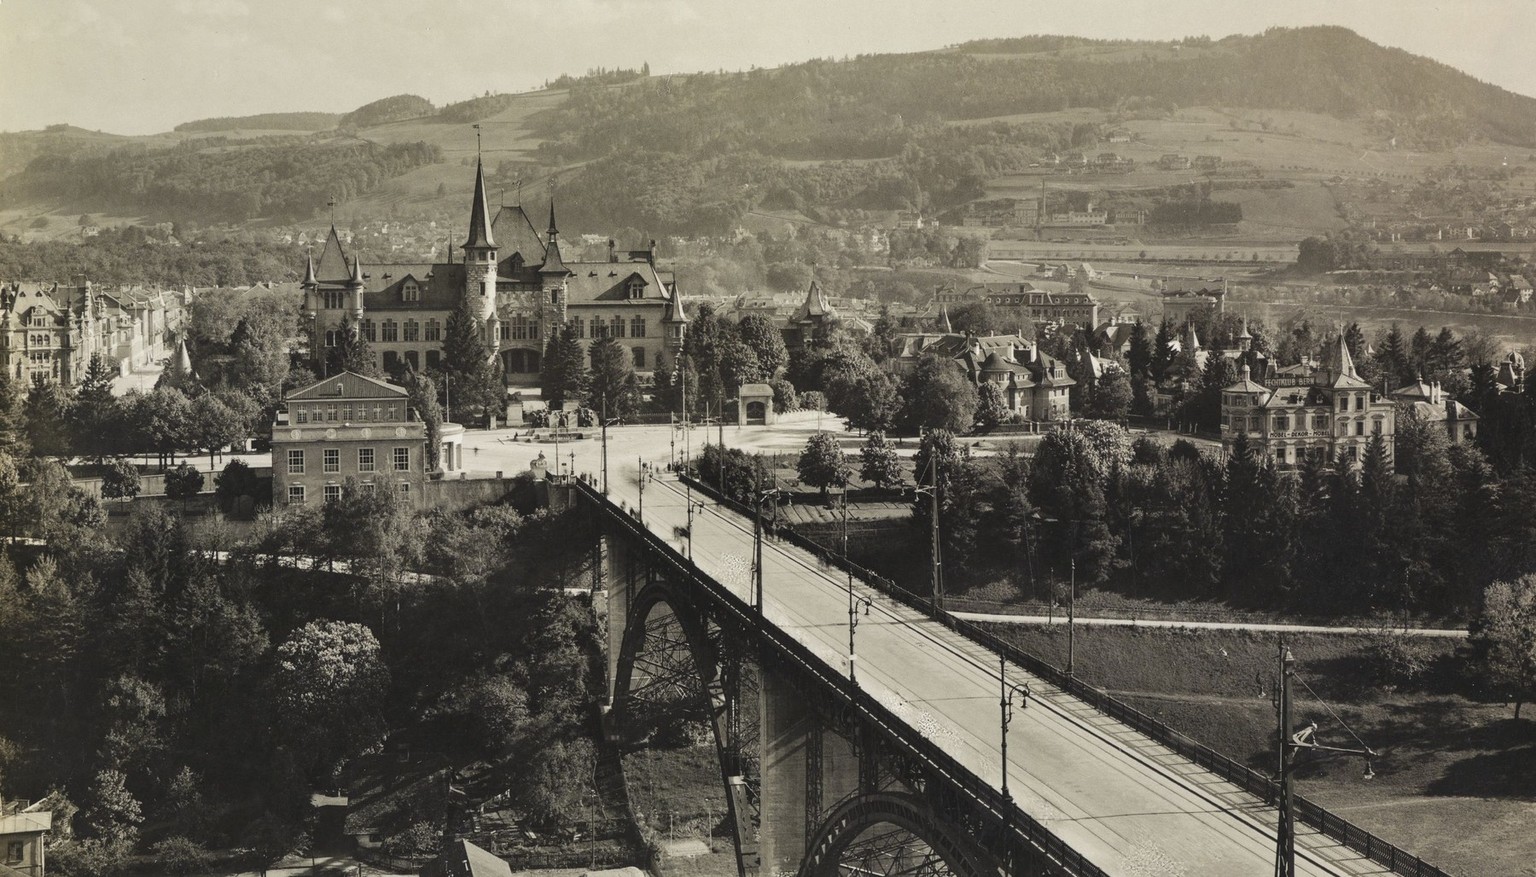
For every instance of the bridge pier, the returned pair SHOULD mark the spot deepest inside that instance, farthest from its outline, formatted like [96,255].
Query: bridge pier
[806,770]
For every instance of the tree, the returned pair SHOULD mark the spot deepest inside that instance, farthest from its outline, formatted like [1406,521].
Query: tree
[991,407]
[564,374]
[944,464]
[46,415]
[738,364]
[214,424]
[784,397]
[766,342]
[1505,634]
[119,479]
[329,682]
[1140,353]
[163,418]
[237,481]
[1110,398]
[423,398]
[352,352]
[878,463]
[113,814]
[183,482]
[939,396]
[613,390]
[95,412]
[467,361]
[1162,352]
[868,398]
[822,463]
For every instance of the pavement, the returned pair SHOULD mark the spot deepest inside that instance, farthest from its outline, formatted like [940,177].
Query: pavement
[1047,620]
[1130,805]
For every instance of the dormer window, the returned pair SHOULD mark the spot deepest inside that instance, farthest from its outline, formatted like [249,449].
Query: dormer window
[635,288]
[410,291]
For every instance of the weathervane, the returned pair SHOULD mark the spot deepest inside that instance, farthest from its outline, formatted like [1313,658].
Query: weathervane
[477,142]
[331,203]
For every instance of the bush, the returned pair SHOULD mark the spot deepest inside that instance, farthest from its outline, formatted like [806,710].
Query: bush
[1395,658]
[182,855]
[416,838]
[813,400]
[119,480]
[784,397]
[182,482]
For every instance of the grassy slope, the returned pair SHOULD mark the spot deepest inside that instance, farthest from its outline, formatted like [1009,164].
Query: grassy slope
[1457,778]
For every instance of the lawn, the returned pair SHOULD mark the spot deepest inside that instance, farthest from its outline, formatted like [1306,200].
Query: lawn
[1456,780]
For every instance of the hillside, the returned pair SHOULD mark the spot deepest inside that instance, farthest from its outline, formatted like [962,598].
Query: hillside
[262,122]
[842,141]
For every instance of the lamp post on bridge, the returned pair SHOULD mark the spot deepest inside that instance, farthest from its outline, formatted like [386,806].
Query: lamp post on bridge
[692,507]
[932,491]
[759,497]
[1007,691]
[853,599]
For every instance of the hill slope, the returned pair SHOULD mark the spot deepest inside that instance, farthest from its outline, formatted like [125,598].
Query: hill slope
[832,139]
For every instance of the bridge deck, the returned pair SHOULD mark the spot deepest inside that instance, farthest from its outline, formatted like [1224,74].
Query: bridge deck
[1128,804]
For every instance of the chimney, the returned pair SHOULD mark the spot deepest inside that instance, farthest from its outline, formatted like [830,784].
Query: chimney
[613,255]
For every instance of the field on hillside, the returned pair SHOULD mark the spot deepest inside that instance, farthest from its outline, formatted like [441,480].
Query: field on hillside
[1456,780]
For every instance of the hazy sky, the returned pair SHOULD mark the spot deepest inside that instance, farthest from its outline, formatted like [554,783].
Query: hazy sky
[142,66]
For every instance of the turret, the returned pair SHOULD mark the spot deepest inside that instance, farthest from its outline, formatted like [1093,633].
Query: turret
[553,274]
[355,288]
[480,253]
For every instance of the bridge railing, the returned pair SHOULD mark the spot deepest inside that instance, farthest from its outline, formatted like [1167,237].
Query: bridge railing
[1061,858]
[1250,780]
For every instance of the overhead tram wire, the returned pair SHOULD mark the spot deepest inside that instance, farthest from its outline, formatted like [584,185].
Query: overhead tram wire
[1246,829]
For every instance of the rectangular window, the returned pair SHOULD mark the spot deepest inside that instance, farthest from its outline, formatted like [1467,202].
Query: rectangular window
[405,488]
[295,462]
[301,415]
[637,327]
[412,330]
[369,331]
[1282,422]
[580,326]
[333,299]
[616,327]
[1359,427]
[402,459]
[391,330]
[330,412]
[434,331]
[346,413]
[365,459]
[332,492]
[1360,403]
[368,488]
[296,494]
[331,463]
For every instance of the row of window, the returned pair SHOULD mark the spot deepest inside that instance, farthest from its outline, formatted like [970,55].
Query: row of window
[345,412]
[1255,423]
[330,460]
[519,328]
[332,492]
[614,327]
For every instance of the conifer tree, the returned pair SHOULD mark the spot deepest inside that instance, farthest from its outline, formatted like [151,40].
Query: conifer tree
[614,391]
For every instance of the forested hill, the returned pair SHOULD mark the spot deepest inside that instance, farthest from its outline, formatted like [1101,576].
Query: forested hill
[857,108]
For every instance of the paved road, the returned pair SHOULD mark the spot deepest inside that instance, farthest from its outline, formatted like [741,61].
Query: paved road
[1130,805]
[1442,632]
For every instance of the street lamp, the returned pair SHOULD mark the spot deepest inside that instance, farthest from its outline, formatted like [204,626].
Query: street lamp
[606,422]
[932,491]
[692,507]
[760,496]
[645,475]
[853,599]
[1007,691]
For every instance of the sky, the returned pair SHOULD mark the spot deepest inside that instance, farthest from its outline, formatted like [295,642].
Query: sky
[144,66]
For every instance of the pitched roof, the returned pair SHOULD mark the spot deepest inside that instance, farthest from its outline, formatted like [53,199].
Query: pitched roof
[464,859]
[815,306]
[332,267]
[596,282]
[1247,385]
[479,214]
[515,231]
[349,385]
[27,821]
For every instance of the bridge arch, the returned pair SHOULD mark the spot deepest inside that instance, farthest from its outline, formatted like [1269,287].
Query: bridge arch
[665,641]
[890,833]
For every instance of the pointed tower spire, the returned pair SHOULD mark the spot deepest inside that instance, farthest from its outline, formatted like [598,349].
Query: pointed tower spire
[479,215]
[554,233]
[944,320]
[1346,365]
[309,281]
[356,278]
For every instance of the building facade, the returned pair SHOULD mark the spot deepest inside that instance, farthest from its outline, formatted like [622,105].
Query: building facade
[52,331]
[1335,416]
[1181,305]
[1040,305]
[1035,385]
[350,426]
[23,830]
[517,284]
[1433,405]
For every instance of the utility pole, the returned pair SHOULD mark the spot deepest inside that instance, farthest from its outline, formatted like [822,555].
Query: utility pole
[605,444]
[938,570]
[1071,614]
[641,511]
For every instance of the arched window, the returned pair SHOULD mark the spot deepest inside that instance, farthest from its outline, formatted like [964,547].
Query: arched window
[412,360]
[434,358]
[637,327]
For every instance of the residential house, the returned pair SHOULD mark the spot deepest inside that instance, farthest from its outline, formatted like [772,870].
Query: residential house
[1432,404]
[23,833]
[1335,415]
[351,426]
[1035,386]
